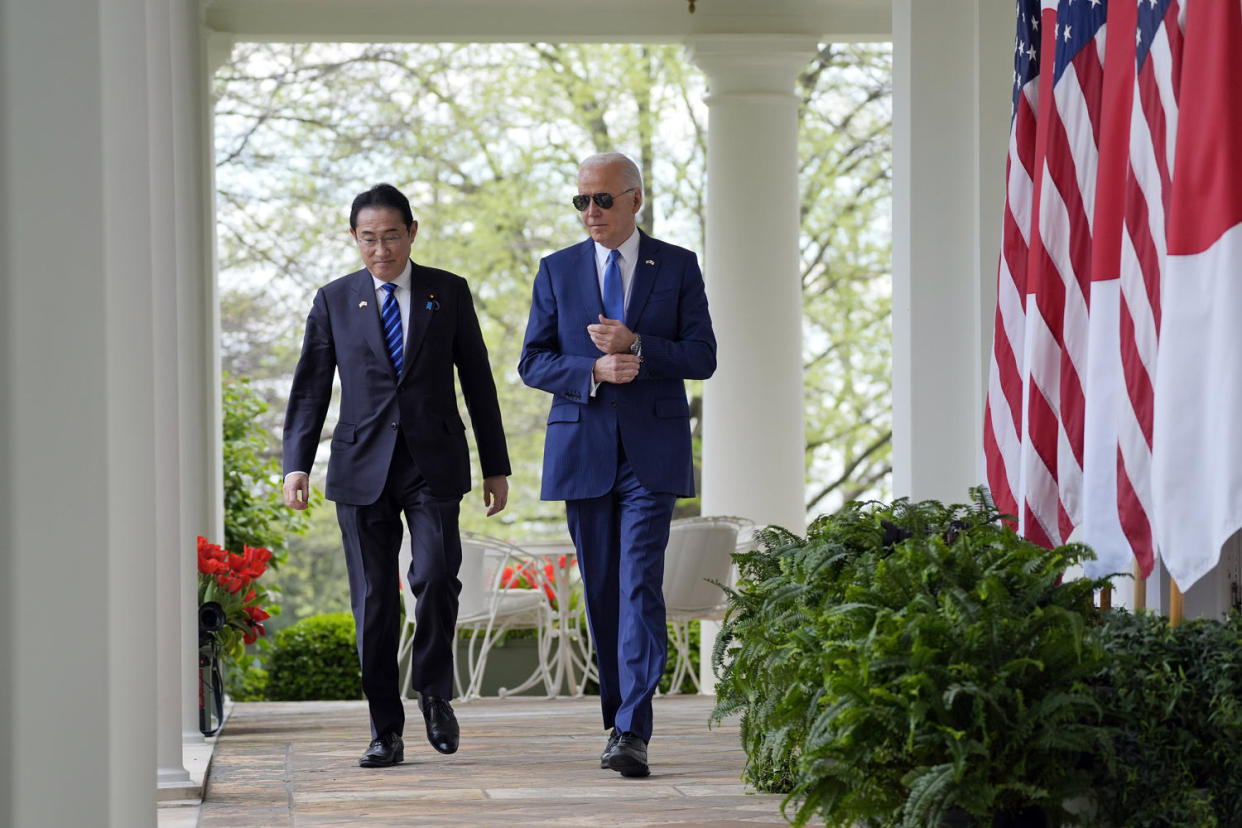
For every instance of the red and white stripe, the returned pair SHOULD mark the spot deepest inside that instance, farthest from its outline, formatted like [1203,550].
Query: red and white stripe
[1002,420]
[1056,319]
[1153,128]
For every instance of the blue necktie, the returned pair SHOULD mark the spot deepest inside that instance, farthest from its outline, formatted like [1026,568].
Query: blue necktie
[390,314]
[614,293]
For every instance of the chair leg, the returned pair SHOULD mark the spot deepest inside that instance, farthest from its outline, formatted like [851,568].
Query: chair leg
[680,646]
[404,658]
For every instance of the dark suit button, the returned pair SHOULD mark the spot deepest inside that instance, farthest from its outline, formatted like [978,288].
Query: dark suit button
[394,426]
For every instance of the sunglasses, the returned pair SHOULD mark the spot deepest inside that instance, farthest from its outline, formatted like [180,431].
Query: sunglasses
[604,200]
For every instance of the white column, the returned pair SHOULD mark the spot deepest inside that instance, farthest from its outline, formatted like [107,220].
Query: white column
[79,738]
[171,559]
[754,437]
[952,70]
[202,479]
[754,440]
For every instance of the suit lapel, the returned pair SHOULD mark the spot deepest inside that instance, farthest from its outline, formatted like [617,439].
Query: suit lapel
[421,294]
[586,265]
[645,270]
[362,286]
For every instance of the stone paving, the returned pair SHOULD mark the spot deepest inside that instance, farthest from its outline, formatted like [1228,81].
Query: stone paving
[521,763]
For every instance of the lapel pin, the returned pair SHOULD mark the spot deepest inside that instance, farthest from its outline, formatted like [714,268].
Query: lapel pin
[363,303]
[432,304]
[651,261]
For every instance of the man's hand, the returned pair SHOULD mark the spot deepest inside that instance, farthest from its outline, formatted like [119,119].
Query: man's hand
[495,493]
[616,368]
[297,490]
[611,336]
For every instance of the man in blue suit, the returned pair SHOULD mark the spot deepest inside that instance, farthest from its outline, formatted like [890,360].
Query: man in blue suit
[394,331]
[617,322]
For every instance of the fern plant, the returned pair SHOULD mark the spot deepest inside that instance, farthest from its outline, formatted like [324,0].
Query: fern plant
[908,659]
[1173,698]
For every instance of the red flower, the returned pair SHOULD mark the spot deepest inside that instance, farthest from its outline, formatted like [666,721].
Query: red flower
[250,596]
[250,636]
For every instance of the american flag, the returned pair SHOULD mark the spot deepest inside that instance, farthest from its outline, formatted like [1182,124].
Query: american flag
[1003,416]
[1153,128]
[1059,276]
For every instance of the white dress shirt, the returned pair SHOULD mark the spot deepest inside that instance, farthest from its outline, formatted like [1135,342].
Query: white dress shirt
[402,293]
[627,264]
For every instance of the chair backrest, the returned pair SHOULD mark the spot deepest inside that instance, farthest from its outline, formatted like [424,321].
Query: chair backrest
[477,582]
[478,579]
[700,551]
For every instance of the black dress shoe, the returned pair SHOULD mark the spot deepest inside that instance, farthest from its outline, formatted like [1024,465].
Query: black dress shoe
[442,729]
[612,743]
[629,757]
[384,752]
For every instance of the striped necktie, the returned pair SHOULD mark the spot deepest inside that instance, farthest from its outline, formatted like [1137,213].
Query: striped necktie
[390,314]
[614,293]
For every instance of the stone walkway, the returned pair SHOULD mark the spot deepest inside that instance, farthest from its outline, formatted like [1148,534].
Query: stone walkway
[521,763]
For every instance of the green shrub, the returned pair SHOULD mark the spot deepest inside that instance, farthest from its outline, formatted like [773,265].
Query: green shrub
[315,658]
[246,680]
[1172,697]
[907,660]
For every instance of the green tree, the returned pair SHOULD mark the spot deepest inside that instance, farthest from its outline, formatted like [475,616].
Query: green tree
[485,139]
[254,512]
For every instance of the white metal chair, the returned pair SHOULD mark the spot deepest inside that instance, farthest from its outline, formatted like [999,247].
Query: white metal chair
[488,610]
[699,555]
[573,653]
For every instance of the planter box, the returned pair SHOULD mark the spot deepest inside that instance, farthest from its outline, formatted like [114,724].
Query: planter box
[508,665]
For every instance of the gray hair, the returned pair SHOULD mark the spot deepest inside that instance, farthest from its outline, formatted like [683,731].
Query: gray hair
[630,173]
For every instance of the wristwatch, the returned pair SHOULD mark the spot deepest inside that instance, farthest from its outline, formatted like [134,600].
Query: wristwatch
[637,348]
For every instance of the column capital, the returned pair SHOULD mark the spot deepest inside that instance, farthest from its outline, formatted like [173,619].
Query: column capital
[752,64]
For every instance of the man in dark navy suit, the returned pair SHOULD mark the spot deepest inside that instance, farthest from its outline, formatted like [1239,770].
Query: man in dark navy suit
[394,331]
[617,322]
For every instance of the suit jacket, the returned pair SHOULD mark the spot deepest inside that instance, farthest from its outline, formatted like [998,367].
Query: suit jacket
[649,416]
[343,333]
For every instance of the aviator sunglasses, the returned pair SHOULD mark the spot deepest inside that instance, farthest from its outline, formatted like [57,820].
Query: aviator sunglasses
[604,200]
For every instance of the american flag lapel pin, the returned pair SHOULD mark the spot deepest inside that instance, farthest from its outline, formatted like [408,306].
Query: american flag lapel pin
[363,303]
[650,261]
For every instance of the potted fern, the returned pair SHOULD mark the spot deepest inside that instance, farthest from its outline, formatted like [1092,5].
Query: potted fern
[912,664]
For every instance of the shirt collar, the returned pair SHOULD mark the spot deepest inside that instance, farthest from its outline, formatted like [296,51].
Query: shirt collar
[402,281]
[628,248]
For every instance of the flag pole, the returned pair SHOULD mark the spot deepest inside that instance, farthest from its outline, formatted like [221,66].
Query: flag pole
[1106,598]
[1140,588]
[1175,604]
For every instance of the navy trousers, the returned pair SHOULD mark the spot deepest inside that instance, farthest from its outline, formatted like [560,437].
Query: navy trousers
[372,537]
[621,538]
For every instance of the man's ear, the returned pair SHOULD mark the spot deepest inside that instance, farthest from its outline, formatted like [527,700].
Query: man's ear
[413,230]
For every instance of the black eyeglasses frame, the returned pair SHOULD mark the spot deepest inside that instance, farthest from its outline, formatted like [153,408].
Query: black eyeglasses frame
[604,200]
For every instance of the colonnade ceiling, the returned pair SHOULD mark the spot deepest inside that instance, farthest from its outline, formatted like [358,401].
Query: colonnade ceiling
[545,20]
